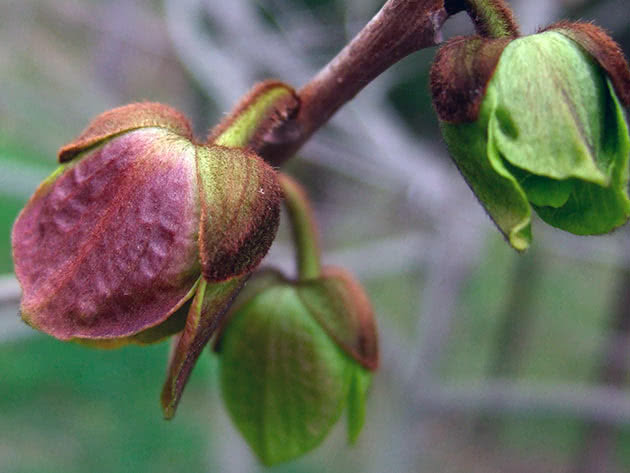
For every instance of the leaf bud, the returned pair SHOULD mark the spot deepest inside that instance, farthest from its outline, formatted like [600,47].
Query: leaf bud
[536,122]
[293,356]
[119,238]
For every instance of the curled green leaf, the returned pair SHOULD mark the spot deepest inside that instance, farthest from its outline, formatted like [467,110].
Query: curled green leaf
[210,304]
[293,356]
[550,135]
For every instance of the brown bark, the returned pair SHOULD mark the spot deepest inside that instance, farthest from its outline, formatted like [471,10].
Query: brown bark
[400,28]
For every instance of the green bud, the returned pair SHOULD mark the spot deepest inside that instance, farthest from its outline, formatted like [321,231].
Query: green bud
[536,122]
[293,356]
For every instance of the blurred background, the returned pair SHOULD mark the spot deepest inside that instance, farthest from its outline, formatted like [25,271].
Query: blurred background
[491,361]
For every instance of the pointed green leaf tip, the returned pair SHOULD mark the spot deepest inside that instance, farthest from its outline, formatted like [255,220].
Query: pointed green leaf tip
[550,135]
[206,310]
[284,379]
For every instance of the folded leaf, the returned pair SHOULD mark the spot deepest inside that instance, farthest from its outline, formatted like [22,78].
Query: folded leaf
[208,307]
[338,302]
[284,381]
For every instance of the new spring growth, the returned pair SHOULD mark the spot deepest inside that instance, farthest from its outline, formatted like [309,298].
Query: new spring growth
[142,232]
[294,354]
[536,122]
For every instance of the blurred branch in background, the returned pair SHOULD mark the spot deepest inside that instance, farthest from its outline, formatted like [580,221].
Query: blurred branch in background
[600,440]
[513,333]
[606,405]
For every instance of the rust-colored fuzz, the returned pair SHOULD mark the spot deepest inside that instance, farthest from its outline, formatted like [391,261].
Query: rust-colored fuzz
[126,118]
[603,49]
[460,74]
[486,15]
[356,331]
[277,114]
[239,211]
[464,66]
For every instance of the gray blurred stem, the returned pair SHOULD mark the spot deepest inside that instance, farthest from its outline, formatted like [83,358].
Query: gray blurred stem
[600,439]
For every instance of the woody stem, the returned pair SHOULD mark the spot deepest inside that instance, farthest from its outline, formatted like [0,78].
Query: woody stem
[400,28]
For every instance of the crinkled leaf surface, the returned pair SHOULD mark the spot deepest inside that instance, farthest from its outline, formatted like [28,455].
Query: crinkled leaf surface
[108,246]
[285,382]
[156,334]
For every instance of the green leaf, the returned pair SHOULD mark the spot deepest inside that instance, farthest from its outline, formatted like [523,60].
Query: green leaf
[550,134]
[206,311]
[338,302]
[361,379]
[563,133]
[593,209]
[474,152]
[284,381]
[550,109]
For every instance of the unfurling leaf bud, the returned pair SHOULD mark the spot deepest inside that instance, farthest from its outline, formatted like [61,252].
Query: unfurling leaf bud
[293,356]
[537,122]
[138,219]
[113,243]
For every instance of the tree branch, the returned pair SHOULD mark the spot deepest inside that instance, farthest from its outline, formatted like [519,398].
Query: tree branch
[400,28]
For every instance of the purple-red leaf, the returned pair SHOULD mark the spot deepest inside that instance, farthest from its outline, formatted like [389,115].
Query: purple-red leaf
[156,334]
[126,118]
[107,247]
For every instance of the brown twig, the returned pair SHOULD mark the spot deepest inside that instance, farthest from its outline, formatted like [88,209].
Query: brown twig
[400,28]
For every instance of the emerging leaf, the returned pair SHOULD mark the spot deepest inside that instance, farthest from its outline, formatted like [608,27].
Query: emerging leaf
[340,305]
[291,359]
[206,311]
[550,135]
[127,118]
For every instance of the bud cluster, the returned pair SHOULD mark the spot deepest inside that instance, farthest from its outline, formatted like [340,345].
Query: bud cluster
[143,233]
